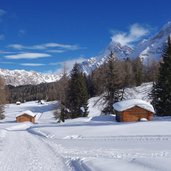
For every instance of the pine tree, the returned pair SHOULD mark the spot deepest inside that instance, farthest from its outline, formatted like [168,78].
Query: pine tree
[112,83]
[77,93]
[162,88]
[90,85]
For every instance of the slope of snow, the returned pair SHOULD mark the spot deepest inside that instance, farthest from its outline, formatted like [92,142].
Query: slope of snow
[22,77]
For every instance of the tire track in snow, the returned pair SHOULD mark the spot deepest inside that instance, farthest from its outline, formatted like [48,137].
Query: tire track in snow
[24,151]
[52,146]
[72,164]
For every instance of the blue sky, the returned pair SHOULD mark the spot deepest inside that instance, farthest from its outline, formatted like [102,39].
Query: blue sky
[41,35]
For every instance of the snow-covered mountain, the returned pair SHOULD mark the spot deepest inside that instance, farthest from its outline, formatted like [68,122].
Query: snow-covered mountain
[152,48]
[22,77]
[119,51]
[146,49]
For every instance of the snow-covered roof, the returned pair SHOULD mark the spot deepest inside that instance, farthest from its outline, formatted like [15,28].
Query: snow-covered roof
[127,104]
[27,112]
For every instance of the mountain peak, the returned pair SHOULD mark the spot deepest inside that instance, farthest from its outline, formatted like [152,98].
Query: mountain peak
[23,77]
[120,51]
[147,49]
[152,48]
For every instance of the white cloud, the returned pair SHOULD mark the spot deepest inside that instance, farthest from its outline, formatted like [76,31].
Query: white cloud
[2,12]
[27,56]
[68,64]
[32,64]
[136,32]
[63,46]
[45,46]
[16,46]
[55,51]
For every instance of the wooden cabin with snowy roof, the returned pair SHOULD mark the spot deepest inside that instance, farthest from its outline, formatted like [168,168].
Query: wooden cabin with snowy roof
[133,110]
[26,116]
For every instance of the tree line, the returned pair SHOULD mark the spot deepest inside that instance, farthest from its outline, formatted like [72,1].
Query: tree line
[25,93]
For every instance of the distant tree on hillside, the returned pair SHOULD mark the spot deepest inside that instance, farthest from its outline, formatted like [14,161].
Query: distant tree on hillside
[162,88]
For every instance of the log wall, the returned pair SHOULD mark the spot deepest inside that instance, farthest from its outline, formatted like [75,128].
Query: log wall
[133,114]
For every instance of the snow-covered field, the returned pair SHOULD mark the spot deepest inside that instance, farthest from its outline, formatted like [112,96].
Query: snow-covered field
[95,143]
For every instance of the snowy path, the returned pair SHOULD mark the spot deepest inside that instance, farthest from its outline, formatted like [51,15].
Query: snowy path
[24,151]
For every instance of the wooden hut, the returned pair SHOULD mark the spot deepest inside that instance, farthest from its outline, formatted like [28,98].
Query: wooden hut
[133,110]
[26,116]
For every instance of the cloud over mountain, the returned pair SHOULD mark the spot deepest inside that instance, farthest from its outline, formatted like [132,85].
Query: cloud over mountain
[135,33]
